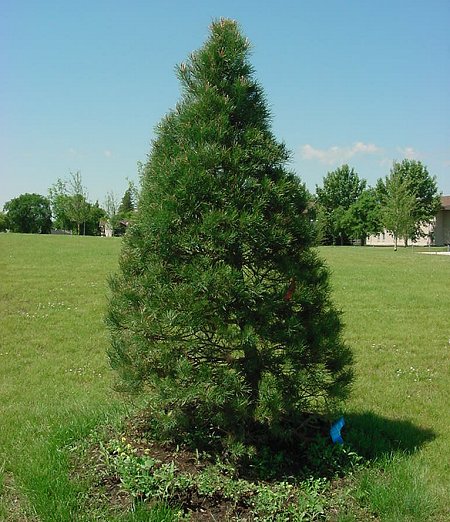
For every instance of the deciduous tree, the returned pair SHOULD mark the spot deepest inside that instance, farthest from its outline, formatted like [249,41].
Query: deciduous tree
[69,203]
[341,189]
[29,213]
[3,222]
[111,211]
[59,200]
[423,187]
[363,217]
[95,216]
[78,202]
[398,205]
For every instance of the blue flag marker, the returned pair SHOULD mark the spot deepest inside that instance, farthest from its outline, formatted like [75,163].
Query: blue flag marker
[335,431]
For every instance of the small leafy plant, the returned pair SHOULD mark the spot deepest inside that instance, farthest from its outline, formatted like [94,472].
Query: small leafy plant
[331,460]
[149,479]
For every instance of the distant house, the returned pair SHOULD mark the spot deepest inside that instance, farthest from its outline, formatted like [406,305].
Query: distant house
[437,233]
[442,223]
[108,231]
[105,228]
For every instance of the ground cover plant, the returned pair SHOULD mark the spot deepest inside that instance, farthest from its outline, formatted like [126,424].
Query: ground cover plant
[396,317]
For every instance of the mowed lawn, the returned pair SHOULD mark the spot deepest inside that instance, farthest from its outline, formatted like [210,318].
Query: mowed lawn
[396,307]
[55,382]
[54,373]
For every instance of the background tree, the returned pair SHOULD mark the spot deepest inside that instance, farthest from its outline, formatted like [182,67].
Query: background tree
[29,213]
[3,222]
[59,200]
[127,205]
[221,309]
[341,189]
[78,202]
[70,204]
[111,212]
[398,205]
[126,209]
[423,187]
[363,217]
[95,216]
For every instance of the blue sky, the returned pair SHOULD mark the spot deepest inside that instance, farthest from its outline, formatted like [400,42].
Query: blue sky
[84,83]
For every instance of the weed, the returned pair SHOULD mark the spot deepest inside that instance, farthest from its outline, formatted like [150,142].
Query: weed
[330,460]
[147,478]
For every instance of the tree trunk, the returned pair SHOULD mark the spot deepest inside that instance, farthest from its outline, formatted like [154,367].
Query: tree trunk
[252,372]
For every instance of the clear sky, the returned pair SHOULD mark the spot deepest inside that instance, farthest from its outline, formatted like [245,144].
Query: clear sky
[83,83]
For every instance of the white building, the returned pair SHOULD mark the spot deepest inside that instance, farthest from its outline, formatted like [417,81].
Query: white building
[437,233]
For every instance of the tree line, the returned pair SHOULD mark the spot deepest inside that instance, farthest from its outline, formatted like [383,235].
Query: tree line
[67,207]
[346,210]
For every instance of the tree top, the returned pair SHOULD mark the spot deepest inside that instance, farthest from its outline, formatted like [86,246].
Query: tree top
[221,61]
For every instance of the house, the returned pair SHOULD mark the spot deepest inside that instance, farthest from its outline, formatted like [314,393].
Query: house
[437,233]
[105,228]
[442,223]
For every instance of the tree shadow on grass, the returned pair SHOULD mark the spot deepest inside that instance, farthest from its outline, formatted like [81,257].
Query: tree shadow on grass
[269,455]
[365,435]
[373,436]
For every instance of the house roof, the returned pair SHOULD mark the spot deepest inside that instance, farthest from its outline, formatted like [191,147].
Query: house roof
[445,202]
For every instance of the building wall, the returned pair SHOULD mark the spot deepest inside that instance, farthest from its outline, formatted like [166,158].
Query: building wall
[109,232]
[387,239]
[436,233]
[442,229]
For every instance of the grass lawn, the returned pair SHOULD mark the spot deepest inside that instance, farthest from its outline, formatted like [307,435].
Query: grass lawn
[54,376]
[55,383]
[397,313]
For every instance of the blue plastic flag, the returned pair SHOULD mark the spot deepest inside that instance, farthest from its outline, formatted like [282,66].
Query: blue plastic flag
[335,431]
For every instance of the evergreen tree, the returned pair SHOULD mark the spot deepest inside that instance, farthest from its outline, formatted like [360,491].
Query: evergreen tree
[126,206]
[126,211]
[221,309]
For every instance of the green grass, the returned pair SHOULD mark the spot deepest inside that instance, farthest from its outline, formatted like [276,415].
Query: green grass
[397,313]
[54,377]
[55,384]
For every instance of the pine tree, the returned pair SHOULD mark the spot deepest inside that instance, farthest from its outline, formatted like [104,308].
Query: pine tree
[221,309]
[126,206]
